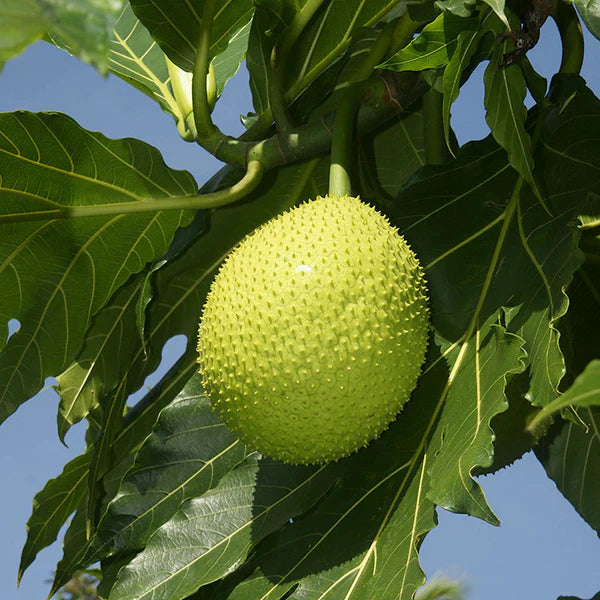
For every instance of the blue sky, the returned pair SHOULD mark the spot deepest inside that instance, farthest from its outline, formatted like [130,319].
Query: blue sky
[543,549]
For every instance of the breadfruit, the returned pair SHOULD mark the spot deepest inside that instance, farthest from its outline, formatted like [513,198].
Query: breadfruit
[314,331]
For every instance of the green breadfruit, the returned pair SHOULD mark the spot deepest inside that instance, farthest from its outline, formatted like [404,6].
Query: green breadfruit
[314,331]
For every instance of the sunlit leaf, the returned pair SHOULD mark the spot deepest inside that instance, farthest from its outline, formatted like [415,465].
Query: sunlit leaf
[186,455]
[498,7]
[137,424]
[21,23]
[590,13]
[505,91]
[213,533]
[137,58]
[83,28]
[434,46]
[57,273]
[95,369]
[584,393]
[52,506]
[227,62]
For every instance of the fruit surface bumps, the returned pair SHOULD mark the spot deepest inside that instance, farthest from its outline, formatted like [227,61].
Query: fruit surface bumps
[314,331]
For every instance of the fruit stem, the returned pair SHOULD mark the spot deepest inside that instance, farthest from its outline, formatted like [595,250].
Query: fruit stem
[341,145]
[436,151]
[346,114]
[242,188]
[571,37]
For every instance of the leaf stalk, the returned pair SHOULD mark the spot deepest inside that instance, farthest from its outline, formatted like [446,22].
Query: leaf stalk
[242,188]
[278,59]
[205,127]
[436,151]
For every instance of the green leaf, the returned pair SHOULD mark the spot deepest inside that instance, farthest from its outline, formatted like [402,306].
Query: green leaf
[470,49]
[466,46]
[137,59]
[145,297]
[75,539]
[21,23]
[83,28]
[590,13]
[460,8]
[392,170]
[572,461]
[329,34]
[187,454]
[511,438]
[257,60]
[227,62]
[213,533]
[434,46]
[96,368]
[176,26]
[479,368]
[505,91]
[52,507]
[584,393]
[566,167]
[82,261]
[536,84]
[138,423]
[520,261]
[325,39]
[498,7]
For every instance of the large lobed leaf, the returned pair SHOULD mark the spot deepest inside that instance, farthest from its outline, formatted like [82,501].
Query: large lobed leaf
[95,370]
[56,274]
[572,456]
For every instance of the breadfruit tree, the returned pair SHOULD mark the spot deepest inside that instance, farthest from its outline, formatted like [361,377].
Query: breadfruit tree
[107,253]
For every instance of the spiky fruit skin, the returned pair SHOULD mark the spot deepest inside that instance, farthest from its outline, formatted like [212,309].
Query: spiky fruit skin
[314,331]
